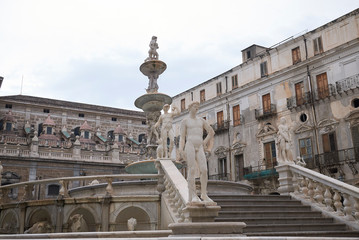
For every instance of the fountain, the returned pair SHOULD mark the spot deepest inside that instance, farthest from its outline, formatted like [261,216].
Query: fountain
[151,103]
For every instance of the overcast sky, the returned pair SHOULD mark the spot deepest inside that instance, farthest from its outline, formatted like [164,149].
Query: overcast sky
[90,51]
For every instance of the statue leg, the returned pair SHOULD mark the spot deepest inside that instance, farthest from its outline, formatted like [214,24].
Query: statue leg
[190,155]
[171,137]
[164,143]
[202,164]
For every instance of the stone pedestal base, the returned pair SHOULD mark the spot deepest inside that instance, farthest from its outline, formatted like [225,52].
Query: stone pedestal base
[200,212]
[222,229]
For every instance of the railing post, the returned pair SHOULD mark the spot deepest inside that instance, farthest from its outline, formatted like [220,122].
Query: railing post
[285,179]
[338,204]
[347,208]
[109,189]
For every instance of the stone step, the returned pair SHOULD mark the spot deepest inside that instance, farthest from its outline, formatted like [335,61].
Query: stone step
[283,220]
[242,202]
[273,214]
[295,227]
[250,197]
[265,208]
[317,234]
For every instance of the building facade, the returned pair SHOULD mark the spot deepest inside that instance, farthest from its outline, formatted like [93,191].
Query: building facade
[311,80]
[44,138]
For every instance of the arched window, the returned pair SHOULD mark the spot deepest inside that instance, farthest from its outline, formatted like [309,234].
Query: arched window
[110,135]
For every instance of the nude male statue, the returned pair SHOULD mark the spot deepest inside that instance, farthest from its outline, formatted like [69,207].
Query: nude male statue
[284,140]
[194,151]
[166,129]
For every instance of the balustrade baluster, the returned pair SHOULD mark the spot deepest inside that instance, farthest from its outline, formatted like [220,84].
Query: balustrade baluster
[338,204]
[356,208]
[29,188]
[304,187]
[328,200]
[347,208]
[64,189]
[310,190]
[109,189]
[318,194]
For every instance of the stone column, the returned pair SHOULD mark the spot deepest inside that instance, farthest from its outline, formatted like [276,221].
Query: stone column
[22,218]
[34,146]
[59,215]
[285,179]
[76,154]
[105,214]
[115,155]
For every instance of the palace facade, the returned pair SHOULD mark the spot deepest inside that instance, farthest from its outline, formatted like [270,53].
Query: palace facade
[311,80]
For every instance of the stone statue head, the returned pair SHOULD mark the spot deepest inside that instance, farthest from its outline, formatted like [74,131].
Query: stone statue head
[282,120]
[166,107]
[193,106]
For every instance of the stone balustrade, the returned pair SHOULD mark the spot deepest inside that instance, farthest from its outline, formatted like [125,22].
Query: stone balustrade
[175,189]
[331,196]
[27,193]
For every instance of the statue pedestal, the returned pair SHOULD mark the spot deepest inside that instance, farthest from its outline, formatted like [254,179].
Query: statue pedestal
[210,229]
[200,212]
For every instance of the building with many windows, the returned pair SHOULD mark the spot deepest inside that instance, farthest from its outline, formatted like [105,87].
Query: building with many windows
[312,80]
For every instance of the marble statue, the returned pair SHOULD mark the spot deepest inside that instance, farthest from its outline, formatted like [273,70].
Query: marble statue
[152,83]
[40,227]
[283,141]
[77,223]
[165,121]
[152,53]
[159,150]
[131,224]
[152,118]
[300,161]
[192,148]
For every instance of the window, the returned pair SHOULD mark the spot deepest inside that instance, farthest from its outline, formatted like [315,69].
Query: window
[53,190]
[8,106]
[234,81]
[222,168]
[318,45]
[110,134]
[202,94]
[296,55]
[114,119]
[236,116]
[141,137]
[305,148]
[87,134]
[81,115]
[299,93]
[248,54]
[329,142]
[143,122]
[266,103]
[8,126]
[49,130]
[219,88]
[264,69]
[191,96]
[183,104]
[220,119]
[322,85]
[46,110]
[270,155]
[120,138]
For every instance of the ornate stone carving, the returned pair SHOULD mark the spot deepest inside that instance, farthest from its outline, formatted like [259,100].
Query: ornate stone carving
[221,152]
[327,125]
[40,227]
[238,148]
[284,142]
[131,224]
[77,223]
[152,53]
[267,129]
[303,128]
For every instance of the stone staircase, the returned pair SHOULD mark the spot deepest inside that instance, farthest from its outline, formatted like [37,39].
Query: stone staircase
[274,215]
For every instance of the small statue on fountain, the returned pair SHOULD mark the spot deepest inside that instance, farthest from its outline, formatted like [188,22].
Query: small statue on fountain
[152,53]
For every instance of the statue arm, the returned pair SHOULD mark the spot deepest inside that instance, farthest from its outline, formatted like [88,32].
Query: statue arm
[158,123]
[209,140]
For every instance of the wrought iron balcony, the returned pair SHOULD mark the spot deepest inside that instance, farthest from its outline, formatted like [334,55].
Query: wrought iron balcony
[221,126]
[263,113]
[325,92]
[347,84]
[299,101]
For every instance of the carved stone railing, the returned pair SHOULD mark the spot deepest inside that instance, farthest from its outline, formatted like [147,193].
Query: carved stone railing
[66,183]
[174,188]
[263,113]
[333,197]
[346,84]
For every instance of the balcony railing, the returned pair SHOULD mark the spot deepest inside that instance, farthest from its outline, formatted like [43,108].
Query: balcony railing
[260,171]
[346,84]
[299,101]
[263,113]
[325,92]
[221,126]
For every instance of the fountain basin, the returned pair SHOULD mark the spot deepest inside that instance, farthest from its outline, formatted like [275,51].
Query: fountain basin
[146,167]
[152,102]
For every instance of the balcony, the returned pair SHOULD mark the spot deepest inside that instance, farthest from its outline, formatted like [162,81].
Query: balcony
[265,113]
[347,84]
[300,101]
[221,126]
[325,92]
[335,159]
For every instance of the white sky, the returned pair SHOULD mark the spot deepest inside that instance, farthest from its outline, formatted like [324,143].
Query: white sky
[90,51]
